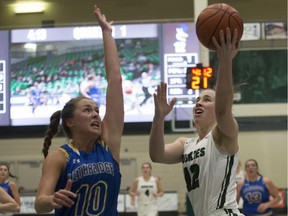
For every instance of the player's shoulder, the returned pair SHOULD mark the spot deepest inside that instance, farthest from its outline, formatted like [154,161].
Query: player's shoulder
[266,180]
[241,182]
[12,183]
[56,156]
[157,179]
[138,179]
[182,140]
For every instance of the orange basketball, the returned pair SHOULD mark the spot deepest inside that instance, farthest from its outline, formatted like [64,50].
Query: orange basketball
[214,18]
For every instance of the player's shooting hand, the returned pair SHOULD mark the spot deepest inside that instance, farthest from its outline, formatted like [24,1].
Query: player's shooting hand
[64,197]
[228,46]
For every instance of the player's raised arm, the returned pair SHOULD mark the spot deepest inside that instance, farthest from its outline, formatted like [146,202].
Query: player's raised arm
[159,152]
[113,121]
[226,131]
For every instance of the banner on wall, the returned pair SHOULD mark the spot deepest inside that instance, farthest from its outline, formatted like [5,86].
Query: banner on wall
[167,203]
[282,202]
[252,31]
[275,30]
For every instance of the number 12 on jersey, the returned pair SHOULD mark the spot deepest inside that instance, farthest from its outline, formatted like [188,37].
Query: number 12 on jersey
[198,77]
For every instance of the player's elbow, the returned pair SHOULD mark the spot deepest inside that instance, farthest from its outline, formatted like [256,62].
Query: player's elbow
[37,209]
[158,157]
[15,208]
[42,208]
[153,158]
[277,198]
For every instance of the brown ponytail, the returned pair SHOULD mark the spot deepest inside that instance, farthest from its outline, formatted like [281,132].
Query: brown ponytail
[52,130]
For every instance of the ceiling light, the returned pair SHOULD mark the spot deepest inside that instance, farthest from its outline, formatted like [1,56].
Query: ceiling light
[29,7]
[31,46]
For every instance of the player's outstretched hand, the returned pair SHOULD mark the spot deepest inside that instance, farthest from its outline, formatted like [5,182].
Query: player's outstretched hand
[162,107]
[105,25]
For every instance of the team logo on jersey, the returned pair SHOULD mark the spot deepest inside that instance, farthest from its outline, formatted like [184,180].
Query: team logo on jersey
[76,161]
[89,169]
[193,155]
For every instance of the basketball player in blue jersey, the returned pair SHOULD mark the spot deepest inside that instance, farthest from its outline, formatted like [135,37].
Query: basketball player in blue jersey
[7,203]
[259,194]
[210,159]
[7,184]
[82,177]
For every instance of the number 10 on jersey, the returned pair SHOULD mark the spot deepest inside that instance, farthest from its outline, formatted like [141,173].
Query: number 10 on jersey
[198,77]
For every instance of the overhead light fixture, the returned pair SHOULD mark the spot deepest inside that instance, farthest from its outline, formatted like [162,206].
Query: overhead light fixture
[31,46]
[29,7]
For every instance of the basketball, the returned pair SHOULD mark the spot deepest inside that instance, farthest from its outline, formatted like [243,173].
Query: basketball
[214,18]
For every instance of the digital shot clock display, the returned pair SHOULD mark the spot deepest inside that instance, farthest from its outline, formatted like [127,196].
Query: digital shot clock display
[198,77]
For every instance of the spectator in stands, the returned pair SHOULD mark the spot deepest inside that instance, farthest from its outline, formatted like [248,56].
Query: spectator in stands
[7,203]
[146,188]
[210,159]
[83,176]
[259,194]
[8,185]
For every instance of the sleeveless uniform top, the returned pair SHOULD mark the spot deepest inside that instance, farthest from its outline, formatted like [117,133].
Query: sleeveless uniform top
[95,179]
[210,176]
[146,189]
[253,194]
[7,188]
[94,93]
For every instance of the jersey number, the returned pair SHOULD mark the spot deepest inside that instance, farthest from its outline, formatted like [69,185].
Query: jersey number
[192,181]
[91,199]
[147,193]
[253,197]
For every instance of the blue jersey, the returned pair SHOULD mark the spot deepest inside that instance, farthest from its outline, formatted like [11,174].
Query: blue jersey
[36,96]
[95,179]
[253,194]
[94,94]
[7,188]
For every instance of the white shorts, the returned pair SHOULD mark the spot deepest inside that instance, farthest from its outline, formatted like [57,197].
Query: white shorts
[226,212]
[147,210]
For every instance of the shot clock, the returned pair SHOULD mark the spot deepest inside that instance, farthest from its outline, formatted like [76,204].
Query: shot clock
[198,77]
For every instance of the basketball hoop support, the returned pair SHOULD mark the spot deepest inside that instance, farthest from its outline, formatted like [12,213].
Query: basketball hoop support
[189,128]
